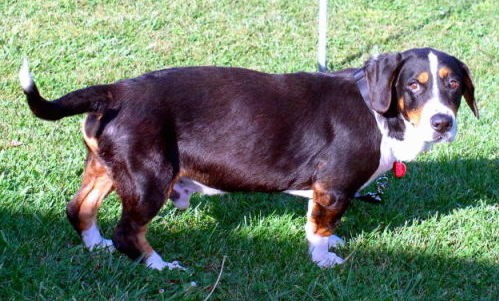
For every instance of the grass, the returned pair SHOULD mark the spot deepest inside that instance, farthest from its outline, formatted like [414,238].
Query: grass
[436,237]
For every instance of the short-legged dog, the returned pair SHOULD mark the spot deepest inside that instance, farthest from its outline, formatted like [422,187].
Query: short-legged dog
[325,135]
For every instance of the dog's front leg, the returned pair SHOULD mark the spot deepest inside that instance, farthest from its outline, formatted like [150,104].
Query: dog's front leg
[324,212]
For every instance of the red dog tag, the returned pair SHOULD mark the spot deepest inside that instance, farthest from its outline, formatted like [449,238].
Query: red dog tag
[399,169]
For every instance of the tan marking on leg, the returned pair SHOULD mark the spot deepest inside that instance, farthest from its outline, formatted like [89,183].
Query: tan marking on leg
[321,195]
[326,211]
[423,77]
[91,142]
[319,230]
[90,205]
[96,185]
[143,244]
[320,219]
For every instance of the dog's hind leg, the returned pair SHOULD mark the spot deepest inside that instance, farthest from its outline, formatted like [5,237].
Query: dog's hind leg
[143,177]
[82,209]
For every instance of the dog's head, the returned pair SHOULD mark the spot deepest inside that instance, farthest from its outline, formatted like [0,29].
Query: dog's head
[422,87]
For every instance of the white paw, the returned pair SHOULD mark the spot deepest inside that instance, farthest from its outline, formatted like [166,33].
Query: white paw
[93,240]
[181,195]
[335,241]
[327,259]
[106,244]
[182,202]
[154,261]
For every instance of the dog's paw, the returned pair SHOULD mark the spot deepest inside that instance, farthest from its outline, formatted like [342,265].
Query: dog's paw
[93,240]
[106,244]
[181,203]
[335,241]
[327,259]
[154,261]
[181,195]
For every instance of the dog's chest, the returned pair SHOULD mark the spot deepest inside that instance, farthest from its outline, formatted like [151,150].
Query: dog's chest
[392,149]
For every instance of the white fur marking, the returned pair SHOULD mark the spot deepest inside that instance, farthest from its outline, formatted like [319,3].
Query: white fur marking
[205,190]
[182,202]
[193,186]
[303,193]
[94,240]
[435,106]
[433,60]
[318,246]
[154,261]
[419,138]
[185,187]
[392,150]
[335,241]
[25,77]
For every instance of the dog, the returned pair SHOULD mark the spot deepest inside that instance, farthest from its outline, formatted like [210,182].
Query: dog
[324,136]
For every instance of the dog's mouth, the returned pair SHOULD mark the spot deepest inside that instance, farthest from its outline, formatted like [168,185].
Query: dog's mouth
[442,137]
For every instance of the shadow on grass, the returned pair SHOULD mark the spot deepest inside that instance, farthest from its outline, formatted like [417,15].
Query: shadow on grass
[430,188]
[264,265]
[427,189]
[279,268]
[50,264]
[272,270]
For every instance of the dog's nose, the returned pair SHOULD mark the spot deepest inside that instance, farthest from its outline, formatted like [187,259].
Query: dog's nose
[441,122]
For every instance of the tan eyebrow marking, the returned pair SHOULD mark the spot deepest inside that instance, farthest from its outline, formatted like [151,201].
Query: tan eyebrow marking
[423,77]
[444,72]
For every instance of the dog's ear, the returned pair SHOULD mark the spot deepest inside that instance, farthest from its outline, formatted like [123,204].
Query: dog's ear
[469,90]
[380,73]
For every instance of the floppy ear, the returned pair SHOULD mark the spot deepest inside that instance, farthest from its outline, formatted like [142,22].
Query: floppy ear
[380,73]
[469,90]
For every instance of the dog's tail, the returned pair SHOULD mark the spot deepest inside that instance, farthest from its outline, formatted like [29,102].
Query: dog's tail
[92,99]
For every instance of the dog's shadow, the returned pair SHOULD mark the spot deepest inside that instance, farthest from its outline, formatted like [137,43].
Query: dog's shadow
[429,188]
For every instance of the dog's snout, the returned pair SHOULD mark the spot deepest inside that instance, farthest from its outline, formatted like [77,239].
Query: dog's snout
[441,122]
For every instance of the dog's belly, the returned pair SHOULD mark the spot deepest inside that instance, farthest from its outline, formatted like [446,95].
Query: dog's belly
[191,186]
[236,164]
[225,179]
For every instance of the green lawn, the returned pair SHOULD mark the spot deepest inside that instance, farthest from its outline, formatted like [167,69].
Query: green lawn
[436,237]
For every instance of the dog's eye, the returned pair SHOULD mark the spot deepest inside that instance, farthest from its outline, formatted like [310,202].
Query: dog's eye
[413,86]
[453,84]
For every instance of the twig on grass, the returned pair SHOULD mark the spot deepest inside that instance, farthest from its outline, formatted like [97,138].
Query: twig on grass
[218,279]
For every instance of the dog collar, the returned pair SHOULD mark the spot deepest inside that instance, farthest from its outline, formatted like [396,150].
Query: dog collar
[361,81]
[399,169]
